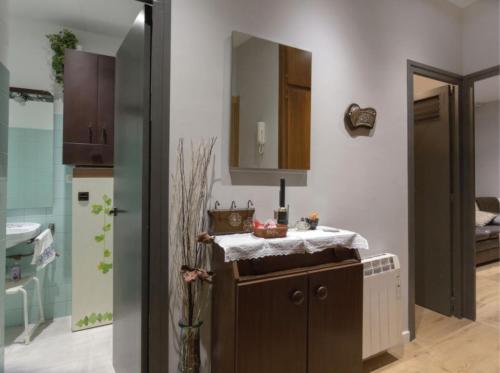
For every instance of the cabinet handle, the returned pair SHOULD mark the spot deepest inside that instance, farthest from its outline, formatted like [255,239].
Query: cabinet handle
[90,133]
[322,292]
[104,136]
[297,297]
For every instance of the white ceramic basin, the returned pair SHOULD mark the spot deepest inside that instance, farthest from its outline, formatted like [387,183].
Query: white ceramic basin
[21,232]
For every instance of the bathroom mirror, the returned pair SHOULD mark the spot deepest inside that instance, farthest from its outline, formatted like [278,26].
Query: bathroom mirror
[270,120]
[30,170]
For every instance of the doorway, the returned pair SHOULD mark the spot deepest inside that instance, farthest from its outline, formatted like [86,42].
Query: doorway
[482,115]
[79,319]
[434,119]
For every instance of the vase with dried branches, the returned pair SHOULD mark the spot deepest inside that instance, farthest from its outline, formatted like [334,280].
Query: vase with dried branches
[191,285]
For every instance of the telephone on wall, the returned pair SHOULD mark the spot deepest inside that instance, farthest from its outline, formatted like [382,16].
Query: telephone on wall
[261,136]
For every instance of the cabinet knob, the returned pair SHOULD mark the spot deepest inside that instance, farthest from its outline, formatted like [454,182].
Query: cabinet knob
[297,297]
[322,292]
[90,132]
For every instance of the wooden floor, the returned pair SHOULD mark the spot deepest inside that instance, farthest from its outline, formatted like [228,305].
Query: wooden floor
[450,345]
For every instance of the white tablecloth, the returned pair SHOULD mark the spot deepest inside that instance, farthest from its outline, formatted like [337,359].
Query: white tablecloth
[247,246]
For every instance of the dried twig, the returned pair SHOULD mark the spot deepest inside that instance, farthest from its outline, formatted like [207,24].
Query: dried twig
[190,194]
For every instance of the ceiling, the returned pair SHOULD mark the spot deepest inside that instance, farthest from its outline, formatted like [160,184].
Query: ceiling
[108,17]
[487,90]
[462,3]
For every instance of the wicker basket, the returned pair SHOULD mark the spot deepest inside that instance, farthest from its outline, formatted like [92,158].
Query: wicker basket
[278,232]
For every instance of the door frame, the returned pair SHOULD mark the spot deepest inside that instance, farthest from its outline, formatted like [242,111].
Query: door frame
[416,68]
[156,196]
[469,189]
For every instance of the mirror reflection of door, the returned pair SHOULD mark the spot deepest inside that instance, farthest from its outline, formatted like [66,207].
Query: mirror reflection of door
[270,105]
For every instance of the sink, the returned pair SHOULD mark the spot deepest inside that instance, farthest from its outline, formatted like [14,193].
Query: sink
[21,232]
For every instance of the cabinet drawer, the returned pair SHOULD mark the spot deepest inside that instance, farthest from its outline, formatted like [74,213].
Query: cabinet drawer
[271,332]
[88,154]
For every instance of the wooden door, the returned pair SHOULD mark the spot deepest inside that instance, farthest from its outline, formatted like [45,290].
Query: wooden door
[433,208]
[336,320]
[272,326]
[106,104]
[295,108]
[80,97]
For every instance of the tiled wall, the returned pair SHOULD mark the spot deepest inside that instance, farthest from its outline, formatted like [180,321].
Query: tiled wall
[30,165]
[56,277]
[4,115]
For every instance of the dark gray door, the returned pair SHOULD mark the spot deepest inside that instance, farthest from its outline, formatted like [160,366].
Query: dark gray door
[433,204]
[130,194]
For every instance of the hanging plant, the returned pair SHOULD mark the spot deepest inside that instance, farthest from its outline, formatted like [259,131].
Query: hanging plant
[59,42]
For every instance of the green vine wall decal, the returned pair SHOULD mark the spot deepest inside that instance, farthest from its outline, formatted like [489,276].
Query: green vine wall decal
[95,318]
[105,264]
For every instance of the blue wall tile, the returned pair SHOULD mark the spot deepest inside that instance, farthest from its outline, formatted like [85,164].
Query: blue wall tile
[56,277]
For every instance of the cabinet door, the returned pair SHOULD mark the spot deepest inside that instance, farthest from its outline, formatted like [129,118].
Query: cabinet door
[80,97]
[335,320]
[106,102]
[272,326]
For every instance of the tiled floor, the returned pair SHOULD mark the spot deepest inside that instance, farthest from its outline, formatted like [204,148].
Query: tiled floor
[449,345]
[55,349]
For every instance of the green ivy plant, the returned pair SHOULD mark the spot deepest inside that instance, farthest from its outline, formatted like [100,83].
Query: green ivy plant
[95,318]
[59,42]
[105,264]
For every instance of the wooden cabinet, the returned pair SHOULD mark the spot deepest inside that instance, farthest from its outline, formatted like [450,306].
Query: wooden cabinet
[88,128]
[291,314]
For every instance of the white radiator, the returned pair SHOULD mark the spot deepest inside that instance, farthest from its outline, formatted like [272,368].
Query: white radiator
[381,304]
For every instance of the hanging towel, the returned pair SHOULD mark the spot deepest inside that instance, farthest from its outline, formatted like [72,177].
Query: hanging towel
[44,252]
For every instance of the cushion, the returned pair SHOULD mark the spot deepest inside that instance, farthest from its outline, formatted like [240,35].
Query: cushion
[482,234]
[496,221]
[483,218]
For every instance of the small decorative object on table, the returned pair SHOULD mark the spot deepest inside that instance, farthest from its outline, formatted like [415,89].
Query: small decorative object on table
[190,286]
[302,225]
[270,229]
[313,220]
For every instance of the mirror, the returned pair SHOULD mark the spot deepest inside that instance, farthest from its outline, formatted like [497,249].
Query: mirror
[30,153]
[270,105]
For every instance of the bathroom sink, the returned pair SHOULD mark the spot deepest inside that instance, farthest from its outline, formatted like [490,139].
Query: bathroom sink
[21,232]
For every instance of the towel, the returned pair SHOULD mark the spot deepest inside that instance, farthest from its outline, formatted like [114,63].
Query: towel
[44,252]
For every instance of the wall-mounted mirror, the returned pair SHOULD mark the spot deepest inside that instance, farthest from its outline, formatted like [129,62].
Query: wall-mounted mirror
[30,166]
[270,105]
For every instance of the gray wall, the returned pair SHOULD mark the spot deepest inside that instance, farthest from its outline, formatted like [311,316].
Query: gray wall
[487,120]
[256,81]
[360,50]
[4,119]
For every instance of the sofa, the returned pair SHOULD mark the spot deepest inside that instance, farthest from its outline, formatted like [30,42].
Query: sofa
[487,237]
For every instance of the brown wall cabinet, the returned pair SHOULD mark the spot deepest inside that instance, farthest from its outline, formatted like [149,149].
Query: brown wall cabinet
[89,109]
[291,314]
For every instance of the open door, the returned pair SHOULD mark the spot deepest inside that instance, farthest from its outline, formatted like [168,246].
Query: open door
[434,128]
[131,195]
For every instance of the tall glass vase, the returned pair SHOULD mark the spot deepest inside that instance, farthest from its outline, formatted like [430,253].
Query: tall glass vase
[189,360]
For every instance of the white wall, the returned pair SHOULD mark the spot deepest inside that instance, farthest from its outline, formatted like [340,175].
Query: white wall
[29,53]
[3,32]
[360,51]
[488,149]
[481,36]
